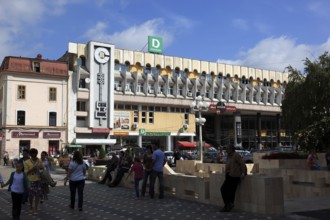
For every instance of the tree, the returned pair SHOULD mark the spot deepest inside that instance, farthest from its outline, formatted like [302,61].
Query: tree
[306,104]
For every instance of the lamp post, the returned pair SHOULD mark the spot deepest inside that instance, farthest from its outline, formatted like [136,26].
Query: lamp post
[200,106]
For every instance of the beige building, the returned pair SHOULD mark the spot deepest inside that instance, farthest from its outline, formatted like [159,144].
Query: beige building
[122,96]
[33,104]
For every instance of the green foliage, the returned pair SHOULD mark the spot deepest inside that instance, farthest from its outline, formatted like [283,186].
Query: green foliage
[306,105]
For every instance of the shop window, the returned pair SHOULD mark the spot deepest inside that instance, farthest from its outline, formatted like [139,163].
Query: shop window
[52,118]
[20,117]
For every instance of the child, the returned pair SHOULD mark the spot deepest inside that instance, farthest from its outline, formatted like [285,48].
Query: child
[137,168]
[18,185]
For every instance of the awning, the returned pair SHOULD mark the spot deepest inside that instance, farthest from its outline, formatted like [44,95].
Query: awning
[95,141]
[185,144]
[189,144]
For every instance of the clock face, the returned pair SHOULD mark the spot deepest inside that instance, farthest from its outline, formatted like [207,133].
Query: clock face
[101,55]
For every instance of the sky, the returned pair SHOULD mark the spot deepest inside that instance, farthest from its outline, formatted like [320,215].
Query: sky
[266,34]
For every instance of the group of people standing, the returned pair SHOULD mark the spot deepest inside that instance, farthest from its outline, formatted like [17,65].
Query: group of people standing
[150,167]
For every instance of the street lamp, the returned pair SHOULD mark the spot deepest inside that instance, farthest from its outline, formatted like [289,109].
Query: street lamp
[200,106]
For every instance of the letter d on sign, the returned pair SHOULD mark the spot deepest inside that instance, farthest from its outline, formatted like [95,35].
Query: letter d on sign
[155,44]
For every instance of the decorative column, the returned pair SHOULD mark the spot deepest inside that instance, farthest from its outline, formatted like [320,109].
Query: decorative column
[237,129]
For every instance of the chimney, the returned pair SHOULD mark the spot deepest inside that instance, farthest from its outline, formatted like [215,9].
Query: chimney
[39,56]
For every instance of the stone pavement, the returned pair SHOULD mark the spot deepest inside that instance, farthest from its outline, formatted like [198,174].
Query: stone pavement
[102,202]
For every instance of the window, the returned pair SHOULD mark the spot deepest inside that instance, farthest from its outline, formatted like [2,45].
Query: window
[36,66]
[82,83]
[143,117]
[52,94]
[81,106]
[20,117]
[52,118]
[151,117]
[136,116]
[186,118]
[21,92]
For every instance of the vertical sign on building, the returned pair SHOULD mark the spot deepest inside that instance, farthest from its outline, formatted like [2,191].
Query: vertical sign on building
[155,44]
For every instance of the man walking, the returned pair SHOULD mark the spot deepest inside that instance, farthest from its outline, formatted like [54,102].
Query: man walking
[158,162]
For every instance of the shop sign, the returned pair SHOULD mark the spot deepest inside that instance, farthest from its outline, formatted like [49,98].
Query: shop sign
[118,133]
[100,130]
[24,134]
[51,134]
[155,44]
[158,133]
[230,108]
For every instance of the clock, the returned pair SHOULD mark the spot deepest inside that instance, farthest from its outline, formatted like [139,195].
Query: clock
[101,55]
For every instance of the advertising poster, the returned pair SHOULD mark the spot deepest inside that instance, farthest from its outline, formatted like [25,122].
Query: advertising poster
[121,121]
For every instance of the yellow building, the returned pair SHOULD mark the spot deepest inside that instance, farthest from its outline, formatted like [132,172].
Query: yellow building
[121,96]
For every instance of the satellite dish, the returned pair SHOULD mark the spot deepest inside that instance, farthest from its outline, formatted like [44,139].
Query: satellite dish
[87,80]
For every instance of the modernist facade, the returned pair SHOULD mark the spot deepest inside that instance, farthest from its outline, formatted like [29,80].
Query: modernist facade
[33,105]
[120,96]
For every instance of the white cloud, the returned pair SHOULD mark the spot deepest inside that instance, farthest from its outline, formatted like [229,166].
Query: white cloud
[134,37]
[319,8]
[278,53]
[18,17]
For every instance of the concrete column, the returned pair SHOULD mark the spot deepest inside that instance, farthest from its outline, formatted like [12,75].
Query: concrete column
[237,129]
[139,140]
[191,138]
[259,130]
[169,143]
[278,130]
[217,129]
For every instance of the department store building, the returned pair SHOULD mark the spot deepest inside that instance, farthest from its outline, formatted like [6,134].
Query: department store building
[131,97]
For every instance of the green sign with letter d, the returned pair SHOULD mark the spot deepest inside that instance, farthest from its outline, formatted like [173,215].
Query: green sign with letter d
[155,44]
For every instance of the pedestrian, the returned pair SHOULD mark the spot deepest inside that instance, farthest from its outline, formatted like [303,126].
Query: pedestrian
[33,167]
[235,171]
[1,180]
[22,160]
[137,168]
[312,161]
[18,184]
[76,176]
[147,165]
[125,163]
[46,173]
[5,158]
[158,162]
[111,166]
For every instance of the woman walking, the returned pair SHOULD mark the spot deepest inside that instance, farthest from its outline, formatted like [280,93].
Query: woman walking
[18,185]
[33,167]
[76,177]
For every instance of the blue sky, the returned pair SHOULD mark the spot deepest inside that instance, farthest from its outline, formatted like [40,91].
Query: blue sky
[268,34]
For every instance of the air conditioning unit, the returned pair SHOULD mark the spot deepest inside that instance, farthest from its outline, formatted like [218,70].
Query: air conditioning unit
[185,126]
[135,125]
[118,88]
[189,94]
[151,91]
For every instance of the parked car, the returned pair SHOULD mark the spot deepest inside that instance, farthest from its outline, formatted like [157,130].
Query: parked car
[170,158]
[246,155]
